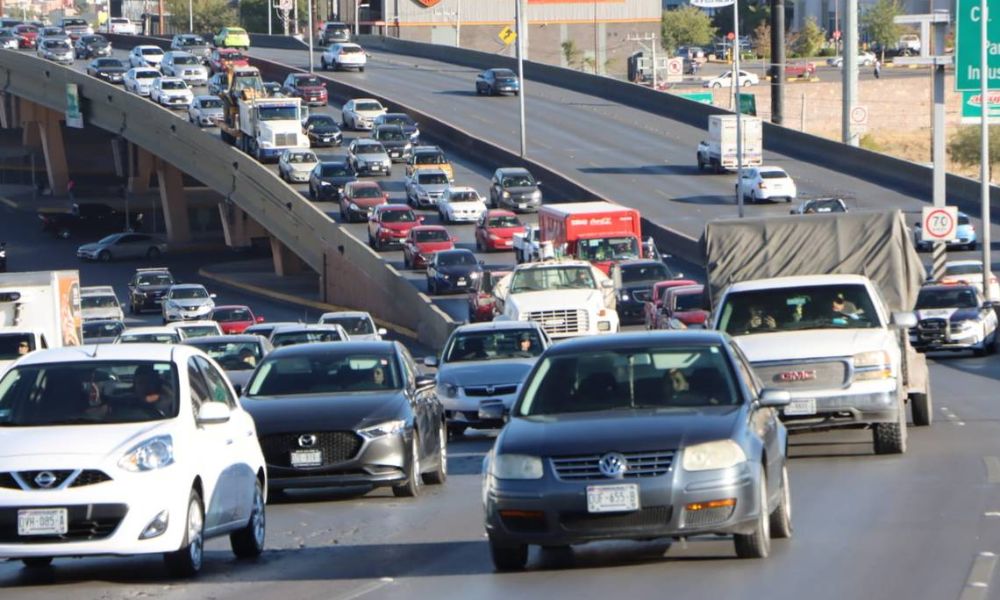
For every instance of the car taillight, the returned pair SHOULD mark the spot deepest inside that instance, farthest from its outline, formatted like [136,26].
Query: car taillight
[760,185]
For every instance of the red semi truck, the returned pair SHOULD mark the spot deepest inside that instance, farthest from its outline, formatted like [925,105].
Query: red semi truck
[599,232]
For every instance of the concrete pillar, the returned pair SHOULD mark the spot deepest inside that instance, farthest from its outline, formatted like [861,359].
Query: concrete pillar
[175,214]
[145,164]
[238,227]
[286,262]
[43,130]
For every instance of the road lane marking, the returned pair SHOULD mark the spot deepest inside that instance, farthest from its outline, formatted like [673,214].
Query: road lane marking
[366,589]
[978,583]
[992,468]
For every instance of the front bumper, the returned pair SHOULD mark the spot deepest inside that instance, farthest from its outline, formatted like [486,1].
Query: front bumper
[374,168]
[631,311]
[521,203]
[477,412]
[325,140]
[948,339]
[175,101]
[391,239]
[446,284]
[464,216]
[299,176]
[183,314]
[378,462]
[860,404]
[143,301]
[398,154]
[427,200]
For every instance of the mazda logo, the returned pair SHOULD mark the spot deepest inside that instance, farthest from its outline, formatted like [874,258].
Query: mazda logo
[797,376]
[307,441]
[45,479]
[613,465]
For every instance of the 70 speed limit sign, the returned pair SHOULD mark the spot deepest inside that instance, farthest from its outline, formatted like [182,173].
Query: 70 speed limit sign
[939,223]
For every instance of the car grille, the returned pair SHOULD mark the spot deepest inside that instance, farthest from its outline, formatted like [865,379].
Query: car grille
[654,516]
[336,446]
[90,477]
[804,375]
[640,464]
[285,139]
[85,522]
[490,390]
[561,321]
[932,330]
[642,295]
[82,478]
[707,516]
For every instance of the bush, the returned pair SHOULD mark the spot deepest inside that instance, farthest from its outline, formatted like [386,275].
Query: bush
[869,142]
[810,39]
[964,145]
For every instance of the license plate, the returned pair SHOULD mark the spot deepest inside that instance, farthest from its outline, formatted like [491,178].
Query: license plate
[376,167]
[326,139]
[461,282]
[612,498]
[508,243]
[307,458]
[48,521]
[522,205]
[490,410]
[801,406]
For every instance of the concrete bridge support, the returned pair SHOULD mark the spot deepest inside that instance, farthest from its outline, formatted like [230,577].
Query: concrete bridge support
[175,213]
[238,227]
[43,129]
[286,262]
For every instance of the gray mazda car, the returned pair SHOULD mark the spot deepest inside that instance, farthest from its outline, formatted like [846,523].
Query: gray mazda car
[639,436]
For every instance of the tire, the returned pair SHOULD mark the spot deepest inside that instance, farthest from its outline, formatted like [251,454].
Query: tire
[406,261]
[890,438]
[479,244]
[187,561]
[781,516]
[431,287]
[153,253]
[312,193]
[758,543]
[132,308]
[37,562]
[411,489]
[716,85]
[701,165]
[508,558]
[249,541]
[922,409]
[361,70]
[323,64]
[440,473]
[104,256]
[457,430]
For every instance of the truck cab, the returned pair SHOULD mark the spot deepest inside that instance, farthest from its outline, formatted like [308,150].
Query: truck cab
[601,233]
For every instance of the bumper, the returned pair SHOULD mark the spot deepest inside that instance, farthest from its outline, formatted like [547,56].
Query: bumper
[373,168]
[476,412]
[144,302]
[379,462]
[398,155]
[464,217]
[391,241]
[452,284]
[521,204]
[631,312]
[499,244]
[329,140]
[208,121]
[350,65]
[299,176]
[427,201]
[186,315]
[176,102]
[952,340]
[860,404]
[86,255]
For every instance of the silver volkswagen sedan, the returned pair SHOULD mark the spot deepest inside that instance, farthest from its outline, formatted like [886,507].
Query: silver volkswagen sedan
[639,436]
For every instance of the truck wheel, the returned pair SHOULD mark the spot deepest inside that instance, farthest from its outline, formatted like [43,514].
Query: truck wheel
[701,165]
[890,438]
[922,407]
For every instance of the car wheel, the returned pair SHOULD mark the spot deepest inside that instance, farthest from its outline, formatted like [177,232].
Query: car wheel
[716,85]
[104,256]
[431,287]
[323,64]
[153,253]
[187,560]
[479,244]
[37,562]
[508,557]
[890,438]
[249,541]
[361,70]
[440,473]
[922,407]
[312,193]
[411,489]
[758,543]
[132,308]
[781,516]
[456,431]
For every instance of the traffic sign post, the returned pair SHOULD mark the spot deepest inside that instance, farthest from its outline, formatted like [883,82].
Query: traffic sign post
[507,36]
[938,224]
[972,108]
[675,69]
[859,119]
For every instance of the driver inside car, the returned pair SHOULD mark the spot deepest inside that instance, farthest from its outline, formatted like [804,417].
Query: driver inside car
[149,389]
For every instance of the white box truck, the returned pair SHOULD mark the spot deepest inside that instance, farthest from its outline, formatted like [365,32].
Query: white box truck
[38,310]
[719,150]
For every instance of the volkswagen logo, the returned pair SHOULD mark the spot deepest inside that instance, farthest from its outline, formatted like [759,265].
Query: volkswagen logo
[613,465]
[307,440]
[45,479]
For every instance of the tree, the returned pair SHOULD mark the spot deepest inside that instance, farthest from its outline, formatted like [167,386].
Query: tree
[879,22]
[687,26]
[570,52]
[964,145]
[209,15]
[762,40]
[253,16]
[810,39]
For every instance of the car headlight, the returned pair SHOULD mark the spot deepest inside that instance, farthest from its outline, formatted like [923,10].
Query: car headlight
[537,194]
[449,390]
[964,325]
[154,453]
[624,296]
[516,466]
[353,206]
[721,454]
[383,429]
[506,194]
[324,183]
[474,275]
[871,365]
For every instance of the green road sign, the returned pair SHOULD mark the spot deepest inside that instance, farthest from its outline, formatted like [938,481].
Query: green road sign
[703,97]
[748,104]
[967,45]
[972,111]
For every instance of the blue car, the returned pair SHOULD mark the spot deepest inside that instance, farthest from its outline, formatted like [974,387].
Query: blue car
[451,271]
[965,236]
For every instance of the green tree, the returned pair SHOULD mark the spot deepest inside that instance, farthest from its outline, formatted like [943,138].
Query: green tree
[762,40]
[687,26]
[253,17]
[879,22]
[570,52]
[964,145]
[810,39]
[209,15]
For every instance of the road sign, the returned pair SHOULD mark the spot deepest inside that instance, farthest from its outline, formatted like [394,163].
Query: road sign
[859,116]
[972,108]
[711,3]
[675,69]
[939,223]
[507,36]
[703,97]
[74,118]
[967,45]
[748,104]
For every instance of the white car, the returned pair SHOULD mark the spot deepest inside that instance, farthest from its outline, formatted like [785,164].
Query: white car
[767,183]
[344,56]
[112,450]
[118,25]
[425,187]
[56,50]
[358,324]
[139,80]
[299,333]
[194,329]
[460,204]
[150,335]
[145,56]
[100,302]
[970,272]
[360,113]
[185,65]
[171,92]
[187,302]
[206,111]
[865,59]
[294,166]
[726,80]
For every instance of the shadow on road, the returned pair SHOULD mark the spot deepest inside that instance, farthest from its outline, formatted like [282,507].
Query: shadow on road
[715,200]
[642,170]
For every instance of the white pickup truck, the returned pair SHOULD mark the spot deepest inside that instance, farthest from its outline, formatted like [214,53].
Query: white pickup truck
[568,298]
[528,245]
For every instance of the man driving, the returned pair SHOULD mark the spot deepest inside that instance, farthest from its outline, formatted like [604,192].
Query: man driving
[149,389]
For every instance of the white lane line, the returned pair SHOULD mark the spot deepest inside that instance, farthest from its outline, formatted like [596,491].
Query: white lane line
[992,468]
[978,583]
[366,589]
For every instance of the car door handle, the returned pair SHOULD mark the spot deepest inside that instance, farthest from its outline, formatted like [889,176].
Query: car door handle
[229,442]
[250,433]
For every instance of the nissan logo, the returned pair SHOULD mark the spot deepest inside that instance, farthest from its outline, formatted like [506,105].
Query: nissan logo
[307,441]
[45,479]
[613,465]
[797,376]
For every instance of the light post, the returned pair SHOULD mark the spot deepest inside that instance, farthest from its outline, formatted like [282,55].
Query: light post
[519,41]
[191,16]
[310,27]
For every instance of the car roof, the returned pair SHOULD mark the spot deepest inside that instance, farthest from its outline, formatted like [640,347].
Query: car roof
[187,286]
[93,290]
[327,348]
[306,327]
[500,212]
[203,97]
[430,228]
[434,171]
[393,207]
[583,345]
[346,314]
[497,326]
[635,262]
[461,188]
[214,339]
[146,47]
[231,306]
[427,149]
[962,263]
[513,171]
[89,352]
[770,169]
[149,329]
[366,100]
[799,280]
[165,78]
[194,323]
[454,251]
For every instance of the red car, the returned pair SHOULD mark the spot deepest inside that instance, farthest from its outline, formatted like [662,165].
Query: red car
[683,308]
[359,199]
[223,58]
[235,319]
[310,88]
[422,242]
[651,310]
[482,304]
[495,230]
[27,35]
[390,224]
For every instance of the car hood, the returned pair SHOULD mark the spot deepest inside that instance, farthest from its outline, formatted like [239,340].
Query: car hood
[368,202]
[76,440]
[372,158]
[487,372]
[521,189]
[301,167]
[175,92]
[459,269]
[97,45]
[328,412]
[432,188]
[325,130]
[528,301]
[118,70]
[187,302]
[90,247]
[504,232]
[394,143]
[811,343]
[431,247]
[954,314]
[102,313]
[618,431]
[152,288]
[340,179]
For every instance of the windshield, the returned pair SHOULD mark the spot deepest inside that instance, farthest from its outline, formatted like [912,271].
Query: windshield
[398,216]
[792,309]
[397,119]
[688,301]
[773,175]
[195,331]
[322,121]
[957,297]
[615,248]
[325,374]
[73,22]
[145,75]
[965,269]
[150,51]
[291,338]
[149,338]
[628,379]
[368,106]
[210,103]
[352,325]
[186,60]
[518,181]
[429,158]
[432,235]
[225,315]
[94,39]
[278,113]
[232,356]
[231,56]
[351,50]
[463,196]
[825,206]
[556,278]
[188,293]
[493,345]
[308,81]
[191,41]
[338,170]
[432,179]
[504,221]
[371,148]
[644,272]
[392,136]
[503,73]
[13,345]
[98,302]
[107,63]
[155,279]
[173,85]
[98,329]
[73,393]
[57,45]
[367,191]
[450,259]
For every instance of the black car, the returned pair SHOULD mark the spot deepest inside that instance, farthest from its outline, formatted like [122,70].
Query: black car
[88,218]
[92,46]
[453,271]
[322,131]
[327,180]
[147,287]
[347,414]
[111,70]
[634,281]
[516,189]
[410,127]
[396,142]
[492,82]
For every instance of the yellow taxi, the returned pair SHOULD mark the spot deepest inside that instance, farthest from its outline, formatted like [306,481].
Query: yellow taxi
[233,37]
[429,157]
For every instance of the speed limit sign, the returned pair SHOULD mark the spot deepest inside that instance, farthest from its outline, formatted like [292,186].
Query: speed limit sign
[939,223]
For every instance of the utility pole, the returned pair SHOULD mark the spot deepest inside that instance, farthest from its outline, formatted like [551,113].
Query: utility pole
[850,73]
[736,103]
[519,27]
[270,9]
[310,27]
[777,61]
[160,9]
[984,140]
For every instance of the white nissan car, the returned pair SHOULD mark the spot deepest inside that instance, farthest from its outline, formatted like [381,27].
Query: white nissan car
[187,302]
[121,450]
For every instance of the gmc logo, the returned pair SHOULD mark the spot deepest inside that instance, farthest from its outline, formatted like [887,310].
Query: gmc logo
[789,376]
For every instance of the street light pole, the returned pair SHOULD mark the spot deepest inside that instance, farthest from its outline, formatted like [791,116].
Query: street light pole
[191,16]
[270,9]
[519,29]
[736,104]
[357,18]
[984,167]
[309,3]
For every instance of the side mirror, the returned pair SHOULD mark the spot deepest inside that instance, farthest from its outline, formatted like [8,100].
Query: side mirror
[213,296]
[213,413]
[905,320]
[987,304]
[259,319]
[607,284]
[420,219]
[423,381]
[383,331]
[238,388]
[771,397]
[430,361]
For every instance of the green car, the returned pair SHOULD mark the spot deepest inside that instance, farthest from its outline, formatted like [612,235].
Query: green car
[233,37]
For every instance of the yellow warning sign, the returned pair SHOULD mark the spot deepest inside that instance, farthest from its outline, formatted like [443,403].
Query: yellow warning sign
[507,36]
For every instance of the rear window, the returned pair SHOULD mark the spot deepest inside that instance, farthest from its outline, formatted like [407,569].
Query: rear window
[773,175]
[963,220]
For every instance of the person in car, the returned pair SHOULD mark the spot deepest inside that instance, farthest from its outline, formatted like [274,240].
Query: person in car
[760,320]
[23,347]
[840,306]
[246,356]
[149,389]
[524,344]
[378,376]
